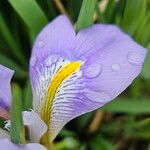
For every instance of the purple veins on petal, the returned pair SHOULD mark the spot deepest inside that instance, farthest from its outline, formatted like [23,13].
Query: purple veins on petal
[108,61]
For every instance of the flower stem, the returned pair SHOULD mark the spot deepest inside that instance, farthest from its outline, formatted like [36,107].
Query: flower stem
[46,141]
[17,131]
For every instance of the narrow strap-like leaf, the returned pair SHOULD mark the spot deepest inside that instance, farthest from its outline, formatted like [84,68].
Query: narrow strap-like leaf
[129,106]
[31,13]
[85,18]
[143,33]
[146,70]
[27,103]
[109,10]
[8,62]
[133,14]
[17,128]
[10,40]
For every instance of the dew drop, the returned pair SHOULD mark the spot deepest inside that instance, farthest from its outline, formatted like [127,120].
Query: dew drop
[40,44]
[97,96]
[115,67]
[33,61]
[135,58]
[93,70]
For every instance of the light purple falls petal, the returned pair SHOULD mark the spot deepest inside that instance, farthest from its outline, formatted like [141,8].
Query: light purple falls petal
[5,89]
[6,144]
[113,61]
[110,60]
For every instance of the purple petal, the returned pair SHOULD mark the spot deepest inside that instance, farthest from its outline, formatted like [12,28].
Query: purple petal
[5,89]
[81,73]
[5,144]
[51,41]
[113,60]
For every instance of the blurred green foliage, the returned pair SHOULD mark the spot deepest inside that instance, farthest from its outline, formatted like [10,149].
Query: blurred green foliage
[125,123]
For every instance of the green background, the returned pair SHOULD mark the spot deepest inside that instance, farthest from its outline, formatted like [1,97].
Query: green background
[123,124]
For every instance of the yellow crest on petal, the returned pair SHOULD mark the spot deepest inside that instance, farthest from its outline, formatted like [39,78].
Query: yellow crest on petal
[55,83]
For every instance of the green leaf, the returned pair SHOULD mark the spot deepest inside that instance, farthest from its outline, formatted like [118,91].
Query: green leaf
[73,7]
[133,15]
[128,106]
[129,128]
[48,7]
[31,14]
[101,143]
[83,121]
[138,129]
[109,10]
[142,36]
[100,15]
[85,18]
[17,129]
[67,144]
[146,70]
[10,40]
[135,89]
[27,103]
[111,128]
[8,62]
[67,133]
[83,147]
[119,9]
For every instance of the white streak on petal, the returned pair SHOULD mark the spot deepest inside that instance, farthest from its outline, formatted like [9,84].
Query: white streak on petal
[52,65]
[35,125]
[7,125]
[62,111]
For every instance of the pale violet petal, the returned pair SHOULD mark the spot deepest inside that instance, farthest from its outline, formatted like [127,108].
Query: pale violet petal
[6,144]
[5,88]
[35,125]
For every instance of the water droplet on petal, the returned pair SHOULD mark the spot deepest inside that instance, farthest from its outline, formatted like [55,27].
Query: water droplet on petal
[33,61]
[135,58]
[40,44]
[115,67]
[93,70]
[97,96]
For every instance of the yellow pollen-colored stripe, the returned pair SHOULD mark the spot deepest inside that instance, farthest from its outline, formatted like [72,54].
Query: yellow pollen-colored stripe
[55,83]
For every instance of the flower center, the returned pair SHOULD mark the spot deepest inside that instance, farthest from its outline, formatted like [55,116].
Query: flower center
[63,74]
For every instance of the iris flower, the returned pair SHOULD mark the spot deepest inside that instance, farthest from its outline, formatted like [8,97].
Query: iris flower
[72,74]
